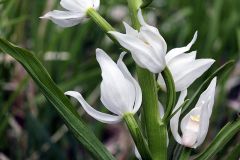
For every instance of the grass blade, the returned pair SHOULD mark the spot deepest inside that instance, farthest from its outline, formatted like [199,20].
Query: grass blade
[61,103]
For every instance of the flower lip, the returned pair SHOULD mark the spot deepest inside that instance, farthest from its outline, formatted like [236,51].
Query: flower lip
[195,118]
[194,125]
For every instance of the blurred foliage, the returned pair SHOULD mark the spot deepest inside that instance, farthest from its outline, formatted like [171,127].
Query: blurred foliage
[218,24]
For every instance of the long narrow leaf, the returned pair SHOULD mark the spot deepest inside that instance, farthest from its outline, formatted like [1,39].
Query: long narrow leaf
[58,100]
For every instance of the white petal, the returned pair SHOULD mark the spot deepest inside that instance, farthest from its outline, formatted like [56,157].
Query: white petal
[157,42]
[196,111]
[175,119]
[144,24]
[154,32]
[102,117]
[130,42]
[96,4]
[185,73]
[177,66]
[161,82]
[137,154]
[206,98]
[154,39]
[65,18]
[141,19]
[182,58]
[130,30]
[142,53]
[71,5]
[117,92]
[204,123]
[177,51]
[190,128]
[76,5]
[161,109]
[126,73]
[211,94]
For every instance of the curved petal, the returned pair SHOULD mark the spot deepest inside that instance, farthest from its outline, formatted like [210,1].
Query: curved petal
[208,96]
[155,35]
[102,117]
[76,5]
[161,82]
[157,43]
[177,51]
[190,127]
[65,18]
[151,28]
[142,53]
[131,43]
[130,30]
[203,127]
[186,57]
[126,73]
[161,109]
[185,73]
[175,119]
[71,5]
[117,92]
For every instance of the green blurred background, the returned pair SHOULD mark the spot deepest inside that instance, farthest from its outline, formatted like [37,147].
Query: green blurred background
[29,126]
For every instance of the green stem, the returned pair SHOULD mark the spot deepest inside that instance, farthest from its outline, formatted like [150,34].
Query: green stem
[101,22]
[156,134]
[171,93]
[185,153]
[151,112]
[137,136]
[163,147]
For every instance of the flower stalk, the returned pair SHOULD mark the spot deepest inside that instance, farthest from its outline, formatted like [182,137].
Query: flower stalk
[137,136]
[99,20]
[150,111]
[156,134]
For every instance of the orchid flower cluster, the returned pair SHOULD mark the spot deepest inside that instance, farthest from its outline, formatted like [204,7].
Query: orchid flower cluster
[121,93]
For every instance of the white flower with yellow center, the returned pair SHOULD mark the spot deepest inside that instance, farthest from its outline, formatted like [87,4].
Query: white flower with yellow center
[120,92]
[76,12]
[194,126]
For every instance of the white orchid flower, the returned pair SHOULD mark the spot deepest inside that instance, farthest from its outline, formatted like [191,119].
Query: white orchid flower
[76,12]
[194,126]
[185,68]
[147,46]
[120,92]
